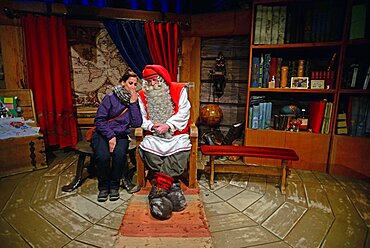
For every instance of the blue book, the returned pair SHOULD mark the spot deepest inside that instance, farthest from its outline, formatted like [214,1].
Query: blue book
[250,117]
[268,115]
[262,115]
[256,111]
[260,72]
[266,70]
[255,72]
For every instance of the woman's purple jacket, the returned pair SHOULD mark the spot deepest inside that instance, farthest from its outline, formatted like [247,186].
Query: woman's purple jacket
[111,107]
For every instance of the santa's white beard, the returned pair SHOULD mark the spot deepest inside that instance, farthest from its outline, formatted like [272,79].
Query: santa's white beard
[159,103]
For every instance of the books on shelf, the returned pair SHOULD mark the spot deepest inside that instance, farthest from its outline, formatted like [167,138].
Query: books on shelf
[357,76]
[269,27]
[358,114]
[260,115]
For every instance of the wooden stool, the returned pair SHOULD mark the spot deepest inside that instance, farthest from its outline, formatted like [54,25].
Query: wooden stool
[83,149]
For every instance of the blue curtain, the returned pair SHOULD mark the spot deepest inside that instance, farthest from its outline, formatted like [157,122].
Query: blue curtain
[129,38]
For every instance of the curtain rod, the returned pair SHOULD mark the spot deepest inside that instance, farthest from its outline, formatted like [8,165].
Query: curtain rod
[15,14]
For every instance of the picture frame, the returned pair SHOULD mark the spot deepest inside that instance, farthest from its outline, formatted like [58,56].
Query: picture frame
[299,83]
[317,84]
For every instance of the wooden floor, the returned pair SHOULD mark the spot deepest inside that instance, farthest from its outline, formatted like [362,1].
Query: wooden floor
[318,210]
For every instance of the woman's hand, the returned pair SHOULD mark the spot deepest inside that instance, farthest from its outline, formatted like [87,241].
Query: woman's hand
[134,95]
[112,144]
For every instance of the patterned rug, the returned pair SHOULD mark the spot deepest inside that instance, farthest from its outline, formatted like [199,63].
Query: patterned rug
[188,228]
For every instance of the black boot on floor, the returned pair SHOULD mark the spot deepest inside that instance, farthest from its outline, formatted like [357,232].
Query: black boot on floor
[129,186]
[103,195]
[113,194]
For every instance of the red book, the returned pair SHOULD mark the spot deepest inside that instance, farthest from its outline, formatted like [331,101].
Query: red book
[273,67]
[315,115]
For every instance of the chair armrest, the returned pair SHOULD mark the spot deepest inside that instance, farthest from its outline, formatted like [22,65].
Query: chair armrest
[139,135]
[193,131]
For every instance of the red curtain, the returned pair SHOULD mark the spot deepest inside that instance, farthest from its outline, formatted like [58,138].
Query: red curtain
[163,43]
[49,78]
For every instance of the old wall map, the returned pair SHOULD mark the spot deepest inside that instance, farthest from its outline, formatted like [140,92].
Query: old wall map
[96,65]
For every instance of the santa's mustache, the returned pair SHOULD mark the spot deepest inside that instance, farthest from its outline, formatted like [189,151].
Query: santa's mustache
[147,87]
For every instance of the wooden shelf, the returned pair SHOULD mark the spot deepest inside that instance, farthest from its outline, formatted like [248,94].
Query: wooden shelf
[289,90]
[277,1]
[297,45]
[358,42]
[354,91]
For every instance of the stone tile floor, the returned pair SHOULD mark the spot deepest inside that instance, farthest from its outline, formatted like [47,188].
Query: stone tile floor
[318,210]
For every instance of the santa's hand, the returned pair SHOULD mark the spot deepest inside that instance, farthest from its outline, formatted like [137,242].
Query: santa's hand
[162,128]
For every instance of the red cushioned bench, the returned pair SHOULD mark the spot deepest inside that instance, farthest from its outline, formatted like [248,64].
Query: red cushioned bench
[285,155]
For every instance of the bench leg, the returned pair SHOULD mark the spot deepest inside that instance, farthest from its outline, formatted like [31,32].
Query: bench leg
[78,178]
[283,176]
[212,176]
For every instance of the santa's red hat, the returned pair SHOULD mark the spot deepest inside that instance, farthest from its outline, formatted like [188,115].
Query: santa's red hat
[151,71]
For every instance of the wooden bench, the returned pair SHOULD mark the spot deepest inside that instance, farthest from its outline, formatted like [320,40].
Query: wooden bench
[83,149]
[285,155]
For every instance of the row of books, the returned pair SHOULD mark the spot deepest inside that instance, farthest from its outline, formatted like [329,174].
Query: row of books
[270,24]
[260,116]
[356,76]
[299,22]
[267,68]
[359,116]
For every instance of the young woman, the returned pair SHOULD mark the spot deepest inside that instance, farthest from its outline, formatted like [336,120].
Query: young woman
[110,139]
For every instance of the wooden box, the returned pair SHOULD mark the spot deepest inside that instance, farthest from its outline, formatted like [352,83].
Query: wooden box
[22,154]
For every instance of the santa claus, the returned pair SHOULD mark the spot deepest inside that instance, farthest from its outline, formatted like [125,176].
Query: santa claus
[165,110]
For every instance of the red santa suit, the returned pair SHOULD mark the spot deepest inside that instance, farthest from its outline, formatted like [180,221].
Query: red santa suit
[178,122]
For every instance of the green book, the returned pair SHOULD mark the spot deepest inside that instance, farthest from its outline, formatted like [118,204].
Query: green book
[358,21]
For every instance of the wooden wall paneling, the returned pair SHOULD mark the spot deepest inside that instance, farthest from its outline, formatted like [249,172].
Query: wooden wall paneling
[237,46]
[235,68]
[312,149]
[264,138]
[190,71]
[350,156]
[232,102]
[11,43]
[216,24]
[235,92]
[231,113]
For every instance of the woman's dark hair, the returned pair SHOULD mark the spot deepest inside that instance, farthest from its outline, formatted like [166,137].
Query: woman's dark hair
[127,75]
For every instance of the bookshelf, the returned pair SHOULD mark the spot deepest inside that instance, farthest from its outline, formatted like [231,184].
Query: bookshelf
[350,151]
[317,33]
